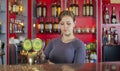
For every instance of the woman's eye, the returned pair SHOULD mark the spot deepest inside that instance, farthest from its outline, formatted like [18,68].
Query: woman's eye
[62,23]
[68,23]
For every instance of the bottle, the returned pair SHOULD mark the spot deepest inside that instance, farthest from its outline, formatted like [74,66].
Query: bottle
[76,8]
[20,7]
[10,7]
[50,26]
[22,27]
[47,27]
[104,36]
[15,27]
[108,37]
[84,8]
[55,26]
[58,9]
[44,10]
[19,27]
[106,16]
[14,6]
[115,38]
[91,8]
[87,8]
[113,16]
[41,30]
[70,7]
[95,57]
[38,26]
[54,10]
[39,10]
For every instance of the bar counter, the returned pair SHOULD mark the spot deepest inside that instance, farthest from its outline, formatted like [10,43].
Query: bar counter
[104,66]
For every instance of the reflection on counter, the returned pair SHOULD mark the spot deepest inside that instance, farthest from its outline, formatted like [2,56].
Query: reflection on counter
[104,66]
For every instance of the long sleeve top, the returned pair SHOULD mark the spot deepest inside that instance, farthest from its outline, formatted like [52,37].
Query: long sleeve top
[60,52]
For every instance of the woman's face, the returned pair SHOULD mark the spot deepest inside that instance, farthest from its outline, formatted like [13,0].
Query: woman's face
[66,25]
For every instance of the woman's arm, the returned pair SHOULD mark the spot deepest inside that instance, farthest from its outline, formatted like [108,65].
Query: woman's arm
[48,49]
[80,54]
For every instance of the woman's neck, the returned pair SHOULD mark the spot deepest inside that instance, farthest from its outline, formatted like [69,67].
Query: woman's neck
[67,39]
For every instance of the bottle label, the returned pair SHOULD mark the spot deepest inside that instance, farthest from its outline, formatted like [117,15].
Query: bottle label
[55,26]
[106,16]
[55,12]
[76,11]
[114,20]
[46,26]
[87,10]
[91,11]
[44,12]
[59,10]
[14,8]
[84,11]
[38,26]
[41,26]
[50,26]
[39,12]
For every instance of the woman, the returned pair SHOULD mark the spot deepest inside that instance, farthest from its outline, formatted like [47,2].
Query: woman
[67,48]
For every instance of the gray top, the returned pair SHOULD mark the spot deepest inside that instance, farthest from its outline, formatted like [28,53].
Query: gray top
[59,52]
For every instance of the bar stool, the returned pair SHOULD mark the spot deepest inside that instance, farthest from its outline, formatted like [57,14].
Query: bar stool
[2,53]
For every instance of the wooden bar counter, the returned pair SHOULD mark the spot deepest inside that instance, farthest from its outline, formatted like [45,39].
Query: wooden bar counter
[104,66]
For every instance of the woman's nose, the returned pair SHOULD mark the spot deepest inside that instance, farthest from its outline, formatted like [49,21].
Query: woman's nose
[65,26]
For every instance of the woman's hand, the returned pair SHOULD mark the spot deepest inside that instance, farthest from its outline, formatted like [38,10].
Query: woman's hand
[49,62]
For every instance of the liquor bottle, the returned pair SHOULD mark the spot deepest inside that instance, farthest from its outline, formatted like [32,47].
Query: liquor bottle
[38,26]
[106,16]
[10,7]
[11,25]
[44,10]
[91,8]
[15,7]
[76,8]
[73,7]
[21,28]
[113,67]
[50,26]
[39,9]
[115,38]
[108,37]
[87,8]
[58,9]
[54,10]
[55,26]
[113,16]
[84,8]
[20,7]
[41,30]
[104,36]
[47,26]
[15,28]
[70,7]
